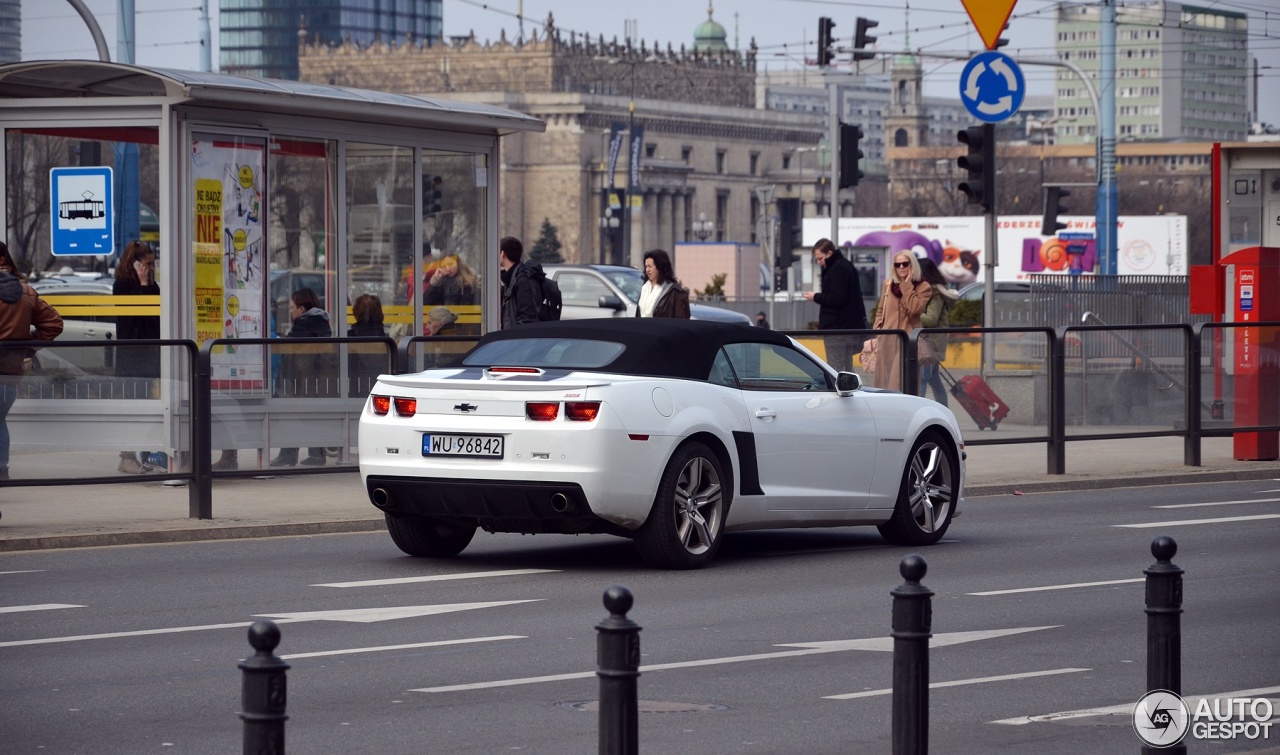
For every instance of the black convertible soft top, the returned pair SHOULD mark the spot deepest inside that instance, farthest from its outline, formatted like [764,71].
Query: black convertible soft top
[653,346]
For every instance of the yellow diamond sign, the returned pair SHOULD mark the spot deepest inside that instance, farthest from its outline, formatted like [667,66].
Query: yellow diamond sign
[989,16]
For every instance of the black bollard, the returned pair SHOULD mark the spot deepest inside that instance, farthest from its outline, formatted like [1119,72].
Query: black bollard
[618,663]
[263,694]
[912,628]
[1164,625]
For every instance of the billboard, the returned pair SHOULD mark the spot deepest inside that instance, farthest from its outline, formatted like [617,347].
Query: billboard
[1146,245]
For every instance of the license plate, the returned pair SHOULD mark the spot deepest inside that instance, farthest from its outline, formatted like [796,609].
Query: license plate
[482,446]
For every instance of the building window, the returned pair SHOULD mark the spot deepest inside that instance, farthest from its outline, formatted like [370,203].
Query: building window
[686,152]
[722,212]
[786,162]
[650,150]
[720,153]
[755,163]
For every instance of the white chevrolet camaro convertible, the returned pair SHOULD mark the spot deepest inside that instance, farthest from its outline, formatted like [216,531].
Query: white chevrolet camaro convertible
[669,432]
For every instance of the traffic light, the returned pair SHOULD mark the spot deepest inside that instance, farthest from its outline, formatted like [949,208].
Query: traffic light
[826,40]
[431,194]
[850,155]
[1053,207]
[861,41]
[1002,41]
[981,164]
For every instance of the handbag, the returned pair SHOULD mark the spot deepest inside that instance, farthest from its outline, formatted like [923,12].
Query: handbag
[868,355]
[928,351]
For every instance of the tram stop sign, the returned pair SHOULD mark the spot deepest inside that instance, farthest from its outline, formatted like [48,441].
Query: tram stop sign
[992,87]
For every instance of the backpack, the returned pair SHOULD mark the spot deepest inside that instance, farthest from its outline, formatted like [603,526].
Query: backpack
[551,303]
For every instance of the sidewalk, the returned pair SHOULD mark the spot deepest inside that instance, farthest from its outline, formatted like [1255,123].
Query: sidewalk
[36,518]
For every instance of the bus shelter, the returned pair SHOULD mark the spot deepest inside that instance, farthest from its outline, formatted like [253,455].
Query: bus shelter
[250,189]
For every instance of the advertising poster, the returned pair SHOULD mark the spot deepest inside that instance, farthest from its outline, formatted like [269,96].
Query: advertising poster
[1146,245]
[229,247]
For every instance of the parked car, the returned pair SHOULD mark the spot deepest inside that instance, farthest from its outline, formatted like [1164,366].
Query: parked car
[614,291]
[669,432]
[77,327]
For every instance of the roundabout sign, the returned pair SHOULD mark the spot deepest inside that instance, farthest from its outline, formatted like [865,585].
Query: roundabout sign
[992,87]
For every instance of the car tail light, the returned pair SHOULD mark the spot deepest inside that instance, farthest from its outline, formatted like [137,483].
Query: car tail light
[406,407]
[517,370]
[581,411]
[381,405]
[541,411]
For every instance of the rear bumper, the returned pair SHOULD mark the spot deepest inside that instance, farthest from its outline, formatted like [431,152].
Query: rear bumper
[492,505]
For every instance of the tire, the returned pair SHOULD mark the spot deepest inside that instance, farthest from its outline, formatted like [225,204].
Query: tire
[427,538]
[927,496]
[686,524]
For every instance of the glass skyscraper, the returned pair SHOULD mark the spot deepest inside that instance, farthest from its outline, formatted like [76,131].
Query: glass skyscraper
[260,37]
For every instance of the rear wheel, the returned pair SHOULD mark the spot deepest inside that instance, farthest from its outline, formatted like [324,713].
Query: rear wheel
[428,538]
[927,497]
[686,524]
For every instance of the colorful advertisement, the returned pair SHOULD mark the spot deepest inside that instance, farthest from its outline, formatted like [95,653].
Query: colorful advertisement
[229,246]
[1146,245]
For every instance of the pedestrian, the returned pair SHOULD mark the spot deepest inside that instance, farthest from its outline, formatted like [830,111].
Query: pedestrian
[139,365]
[305,373]
[452,283]
[439,322]
[933,346]
[903,299]
[762,321]
[662,295]
[24,316]
[521,284]
[839,303]
[365,362]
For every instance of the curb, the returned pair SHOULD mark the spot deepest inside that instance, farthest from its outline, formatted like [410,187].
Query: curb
[155,537]
[207,534]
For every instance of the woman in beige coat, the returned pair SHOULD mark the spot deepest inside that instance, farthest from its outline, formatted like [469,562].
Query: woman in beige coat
[902,300]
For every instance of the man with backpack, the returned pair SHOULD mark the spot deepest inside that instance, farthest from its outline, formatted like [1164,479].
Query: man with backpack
[524,287]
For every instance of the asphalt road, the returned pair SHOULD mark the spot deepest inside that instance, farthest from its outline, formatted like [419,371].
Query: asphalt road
[757,650]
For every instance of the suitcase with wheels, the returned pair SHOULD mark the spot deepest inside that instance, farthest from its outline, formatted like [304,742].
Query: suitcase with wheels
[977,398]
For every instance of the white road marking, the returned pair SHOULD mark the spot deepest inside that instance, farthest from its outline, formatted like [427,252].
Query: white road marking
[38,607]
[1183,522]
[363,616]
[1060,587]
[439,643]
[1216,503]
[881,644]
[1126,708]
[962,682]
[23,571]
[370,615]
[438,578]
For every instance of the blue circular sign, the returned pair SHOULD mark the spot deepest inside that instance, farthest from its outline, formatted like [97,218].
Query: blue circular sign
[992,86]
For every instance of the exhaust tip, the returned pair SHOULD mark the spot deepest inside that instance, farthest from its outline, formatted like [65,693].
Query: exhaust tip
[380,497]
[560,503]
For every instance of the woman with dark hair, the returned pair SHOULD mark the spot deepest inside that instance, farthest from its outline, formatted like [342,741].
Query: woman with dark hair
[305,374]
[661,295]
[135,276]
[933,346]
[365,362]
[24,316]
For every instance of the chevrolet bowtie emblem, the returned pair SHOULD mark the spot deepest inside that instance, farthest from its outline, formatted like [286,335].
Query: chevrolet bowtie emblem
[465,407]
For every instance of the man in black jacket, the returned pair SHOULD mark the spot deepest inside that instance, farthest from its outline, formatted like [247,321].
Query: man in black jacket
[839,304]
[521,286]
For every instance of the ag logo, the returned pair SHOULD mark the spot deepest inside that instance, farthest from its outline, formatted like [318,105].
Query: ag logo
[1160,718]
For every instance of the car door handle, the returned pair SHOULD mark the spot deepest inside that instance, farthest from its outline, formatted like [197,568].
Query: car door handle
[766,414]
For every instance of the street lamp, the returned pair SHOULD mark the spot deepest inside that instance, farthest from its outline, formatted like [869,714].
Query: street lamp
[609,223]
[703,228]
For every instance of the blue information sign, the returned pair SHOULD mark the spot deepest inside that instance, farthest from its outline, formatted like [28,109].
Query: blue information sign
[992,87]
[80,211]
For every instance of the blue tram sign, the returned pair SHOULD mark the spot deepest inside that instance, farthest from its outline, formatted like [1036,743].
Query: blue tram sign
[81,213]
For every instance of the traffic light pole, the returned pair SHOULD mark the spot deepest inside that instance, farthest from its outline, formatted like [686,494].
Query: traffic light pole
[833,142]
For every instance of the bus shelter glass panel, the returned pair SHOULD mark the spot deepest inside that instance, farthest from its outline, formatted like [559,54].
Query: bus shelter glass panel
[301,226]
[380,245]
[455,226]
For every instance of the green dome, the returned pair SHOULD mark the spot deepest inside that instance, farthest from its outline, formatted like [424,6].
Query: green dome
[709,36]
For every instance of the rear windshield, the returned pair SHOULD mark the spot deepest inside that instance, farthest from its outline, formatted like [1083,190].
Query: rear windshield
[567,353]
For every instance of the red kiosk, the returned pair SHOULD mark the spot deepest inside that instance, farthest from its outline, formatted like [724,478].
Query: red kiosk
[1253,278]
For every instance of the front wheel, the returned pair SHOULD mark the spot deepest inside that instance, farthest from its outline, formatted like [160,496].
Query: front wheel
[686,524]
[428,538]
[927,497]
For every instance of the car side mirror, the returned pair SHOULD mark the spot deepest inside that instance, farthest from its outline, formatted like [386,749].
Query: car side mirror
[847,383]
[609,301]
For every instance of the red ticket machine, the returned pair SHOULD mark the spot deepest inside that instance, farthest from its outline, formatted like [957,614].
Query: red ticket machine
[1252,277]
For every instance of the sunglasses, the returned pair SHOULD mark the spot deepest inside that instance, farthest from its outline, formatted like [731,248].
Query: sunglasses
[902,264]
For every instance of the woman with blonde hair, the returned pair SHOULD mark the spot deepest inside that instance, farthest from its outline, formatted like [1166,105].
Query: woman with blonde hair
[452,283]
[903,299]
